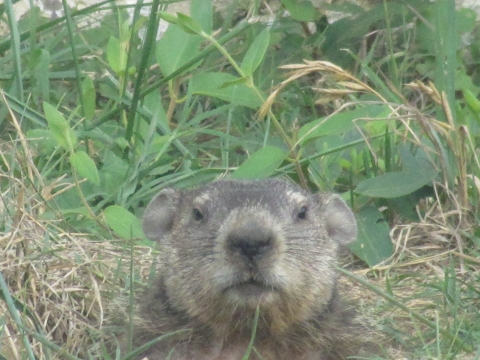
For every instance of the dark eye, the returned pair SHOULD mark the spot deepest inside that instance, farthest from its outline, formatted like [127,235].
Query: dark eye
[302,213]
[197,215]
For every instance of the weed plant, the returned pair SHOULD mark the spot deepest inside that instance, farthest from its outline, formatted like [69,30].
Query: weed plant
[99,111]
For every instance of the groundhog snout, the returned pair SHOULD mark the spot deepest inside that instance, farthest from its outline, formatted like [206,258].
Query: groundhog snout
[251,241]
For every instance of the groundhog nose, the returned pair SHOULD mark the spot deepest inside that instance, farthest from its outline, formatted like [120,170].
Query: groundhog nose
[251,243]
[251,248]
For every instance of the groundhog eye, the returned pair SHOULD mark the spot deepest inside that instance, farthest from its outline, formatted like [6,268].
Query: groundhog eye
[197,215]
[302,213]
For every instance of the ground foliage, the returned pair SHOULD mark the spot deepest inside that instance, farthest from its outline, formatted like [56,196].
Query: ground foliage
[99,115]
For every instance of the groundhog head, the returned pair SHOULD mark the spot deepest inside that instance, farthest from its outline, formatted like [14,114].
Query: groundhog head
[232,246]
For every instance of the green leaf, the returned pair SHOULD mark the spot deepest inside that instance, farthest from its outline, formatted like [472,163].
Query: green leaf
[113,173]
[236,81]
[211,84]
[116,55]
[340,122]
[413,162]
[43,140]
[40,64]
[202,12]
[256,52]
[261,164]
[466,20]
[159,143]
[168,17]
[124,223]
[397,184]
[373,244]
[472,101]
[89,98]
[59,127]
[85,166]
[325,171]
[301,10]
[188,24]
[176,48]
[406,205]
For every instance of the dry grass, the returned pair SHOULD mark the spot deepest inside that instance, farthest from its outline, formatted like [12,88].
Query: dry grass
[433,273]
[62,283]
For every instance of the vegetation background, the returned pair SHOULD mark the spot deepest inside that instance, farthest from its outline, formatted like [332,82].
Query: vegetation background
[98,113]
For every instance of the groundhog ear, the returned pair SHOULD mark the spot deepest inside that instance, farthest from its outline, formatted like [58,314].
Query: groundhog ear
[340,221]
[160,214]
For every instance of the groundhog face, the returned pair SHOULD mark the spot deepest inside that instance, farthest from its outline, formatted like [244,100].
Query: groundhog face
[232,246]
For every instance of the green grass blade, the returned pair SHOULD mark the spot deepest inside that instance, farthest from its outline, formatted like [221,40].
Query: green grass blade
[133,42]
[254,334]
[23,109]
[15,46]
[405,308]
[146,346]
[78,73]
[146,53]
[16,317]
[446,44]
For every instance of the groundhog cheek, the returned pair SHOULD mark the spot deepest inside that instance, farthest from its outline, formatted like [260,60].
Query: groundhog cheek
[223,279]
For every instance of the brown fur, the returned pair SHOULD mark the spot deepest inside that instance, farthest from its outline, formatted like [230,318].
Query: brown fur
[234,246]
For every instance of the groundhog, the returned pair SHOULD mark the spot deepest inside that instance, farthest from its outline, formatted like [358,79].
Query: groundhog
[245,271]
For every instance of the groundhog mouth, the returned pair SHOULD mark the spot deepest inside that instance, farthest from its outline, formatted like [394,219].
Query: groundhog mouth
[250,289]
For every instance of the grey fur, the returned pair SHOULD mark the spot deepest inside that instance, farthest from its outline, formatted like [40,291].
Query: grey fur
[232,246]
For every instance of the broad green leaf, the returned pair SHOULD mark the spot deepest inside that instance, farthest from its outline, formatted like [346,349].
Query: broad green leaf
[59,127]
[413,162]
[175,48]
[211,84]
[42,139]
[397,184]
[113,173]
[116,55]
[89,98]
[40,64]
[405,205]
[301,10]
[85,166]
[256,52]
[260,164]
[466,20]
[202,12]
[188,24]
[340,122]
[124,223]
[373,244]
